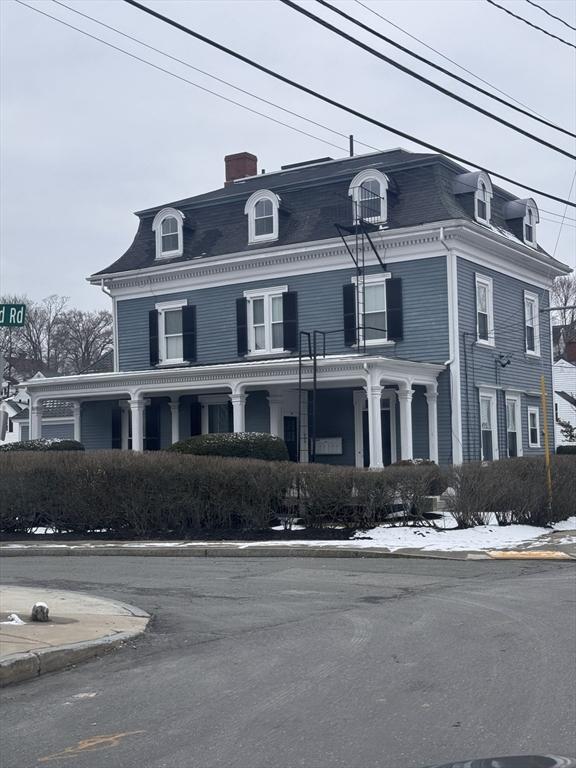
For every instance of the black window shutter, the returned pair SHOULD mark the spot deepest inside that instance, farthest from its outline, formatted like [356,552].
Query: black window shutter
[349,298]
[242,326]
[290,320]
[189,333]
[394,309]
[153,337]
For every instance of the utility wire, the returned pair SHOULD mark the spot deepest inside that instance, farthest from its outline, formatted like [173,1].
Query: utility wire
[535,26]
[445,71]
[546,11]
[333,102]
[446,58]
[179,77]
[422,79]
[249,93]
[563,216]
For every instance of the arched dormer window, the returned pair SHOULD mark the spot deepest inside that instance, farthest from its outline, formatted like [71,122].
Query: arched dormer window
[167,225]
[531,218]
[262,211]
[368,191]
[483,199]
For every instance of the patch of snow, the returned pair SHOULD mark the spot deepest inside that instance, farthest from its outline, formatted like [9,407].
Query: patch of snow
[293,527]
[566,525]
[13,618]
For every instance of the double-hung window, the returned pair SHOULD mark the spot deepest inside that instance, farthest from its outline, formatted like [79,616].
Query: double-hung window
[513,426]
[534,427]
[170,331]
[263,221]
[168,226]
[531,319]
[488,425]
[372,308]
[483,198]
[484,310]
[263,218]
[265,320]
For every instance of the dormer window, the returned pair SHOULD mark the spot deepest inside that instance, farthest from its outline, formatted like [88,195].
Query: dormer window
[482,200]
[530,220]
[167,225]
[262,211]
[368,191]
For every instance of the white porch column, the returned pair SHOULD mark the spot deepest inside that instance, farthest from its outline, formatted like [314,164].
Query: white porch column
[35,420]
[374,393]
[77,422]
[405,393]
[137,406]
[124,425]
[432,400]
[276,403]
[239,411]
[175,413]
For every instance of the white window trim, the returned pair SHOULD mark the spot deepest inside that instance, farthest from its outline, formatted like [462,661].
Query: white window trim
[530,206]
[266,294]
[354,192]
[375,279]
[488,282]
[529,296]
[492,395]
[484,178]
[157,228]
[510,398]
[161,308]
[534,409]
[250,211]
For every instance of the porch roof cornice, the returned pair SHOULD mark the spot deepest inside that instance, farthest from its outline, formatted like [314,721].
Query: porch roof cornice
[333,368]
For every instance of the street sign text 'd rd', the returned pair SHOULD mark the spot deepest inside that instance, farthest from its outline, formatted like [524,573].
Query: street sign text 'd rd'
[12,315]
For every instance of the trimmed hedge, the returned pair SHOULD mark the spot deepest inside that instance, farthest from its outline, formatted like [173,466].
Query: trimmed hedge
[566,450]
[44,444]
[242,445]
[514,491]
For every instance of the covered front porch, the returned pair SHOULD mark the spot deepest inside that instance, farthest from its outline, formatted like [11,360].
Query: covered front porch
[365,411]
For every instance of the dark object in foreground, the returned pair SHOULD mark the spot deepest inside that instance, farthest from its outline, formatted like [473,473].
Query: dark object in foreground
[520,761]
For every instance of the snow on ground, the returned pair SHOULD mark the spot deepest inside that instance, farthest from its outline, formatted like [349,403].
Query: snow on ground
[566,525]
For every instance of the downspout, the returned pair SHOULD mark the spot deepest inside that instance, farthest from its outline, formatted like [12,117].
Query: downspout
[453,362]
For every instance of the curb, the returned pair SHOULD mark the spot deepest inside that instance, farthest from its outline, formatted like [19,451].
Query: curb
[25,666]
[275,551]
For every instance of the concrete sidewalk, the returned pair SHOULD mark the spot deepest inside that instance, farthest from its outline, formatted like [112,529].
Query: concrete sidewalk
[80,627]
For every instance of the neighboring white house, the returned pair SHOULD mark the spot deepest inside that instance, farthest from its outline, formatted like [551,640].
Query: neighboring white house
[564,374]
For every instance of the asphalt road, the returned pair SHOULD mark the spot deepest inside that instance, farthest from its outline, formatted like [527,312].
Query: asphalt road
[289,663]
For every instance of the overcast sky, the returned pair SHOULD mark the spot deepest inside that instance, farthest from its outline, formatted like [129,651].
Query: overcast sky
[89,135]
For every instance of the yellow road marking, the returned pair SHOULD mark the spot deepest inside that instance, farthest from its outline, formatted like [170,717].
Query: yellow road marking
[93,744]
[551,554]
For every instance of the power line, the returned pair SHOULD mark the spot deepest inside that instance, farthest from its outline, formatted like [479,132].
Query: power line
[249,93]
[179,77]
[422,79]
[334,103]
[546,11]
[445,71]
[535,26]
[446,58]
[564,215]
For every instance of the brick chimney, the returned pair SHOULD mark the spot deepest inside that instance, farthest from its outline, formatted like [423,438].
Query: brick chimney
[239,166]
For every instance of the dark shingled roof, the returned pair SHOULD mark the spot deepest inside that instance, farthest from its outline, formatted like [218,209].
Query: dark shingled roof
[313,199]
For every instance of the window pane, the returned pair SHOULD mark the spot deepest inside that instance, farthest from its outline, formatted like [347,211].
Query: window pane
[263,208]
[375,297]
[375,323]
[481,209]
[532,418]
[276,309]
[173,321]
[487,450]
[258,311]
[264,226]
[169,226]
[529,233]
[530,312]
[482,326]
[512,444]
[530,339]
[482,297]
[485,413]
[259,337]
[511,416]
[169,243]
[277,336]
[534,436]
[174,347]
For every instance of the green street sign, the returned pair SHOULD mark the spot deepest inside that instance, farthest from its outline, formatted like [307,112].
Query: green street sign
[12,315]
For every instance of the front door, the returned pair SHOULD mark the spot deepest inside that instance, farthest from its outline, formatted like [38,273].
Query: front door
[386,437]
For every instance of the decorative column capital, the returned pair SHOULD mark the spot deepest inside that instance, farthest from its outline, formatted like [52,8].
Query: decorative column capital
[36,409]
[374,390]
[238,397]
[431,392]
[137,405]
[405,394]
